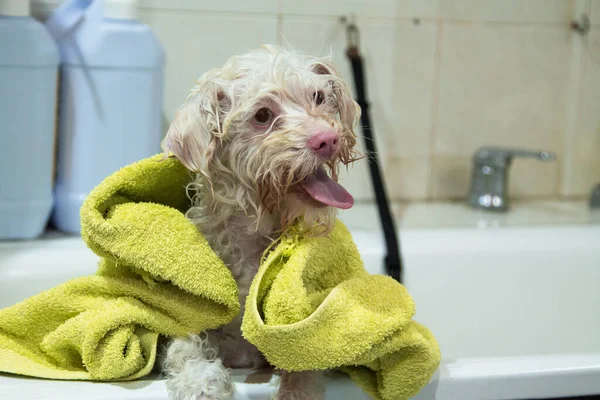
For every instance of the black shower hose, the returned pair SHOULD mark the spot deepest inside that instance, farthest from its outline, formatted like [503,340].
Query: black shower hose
[393,261]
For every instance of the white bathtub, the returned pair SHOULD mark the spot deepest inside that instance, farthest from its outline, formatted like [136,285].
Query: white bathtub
[514,301]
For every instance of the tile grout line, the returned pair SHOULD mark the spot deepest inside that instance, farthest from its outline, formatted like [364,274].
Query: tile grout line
[280,13]
[211,13]
[435,91]
[279,22]
[574,100]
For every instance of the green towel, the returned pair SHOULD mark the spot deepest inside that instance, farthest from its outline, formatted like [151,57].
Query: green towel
[311,306]
[157,275]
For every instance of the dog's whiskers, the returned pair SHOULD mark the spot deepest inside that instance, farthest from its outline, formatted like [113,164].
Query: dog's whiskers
[251,181]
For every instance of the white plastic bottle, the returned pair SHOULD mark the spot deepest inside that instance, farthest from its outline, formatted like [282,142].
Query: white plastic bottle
[111,97]
[28,79]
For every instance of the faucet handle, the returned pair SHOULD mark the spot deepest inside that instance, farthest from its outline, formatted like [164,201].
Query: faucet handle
[502,157]
[489,182]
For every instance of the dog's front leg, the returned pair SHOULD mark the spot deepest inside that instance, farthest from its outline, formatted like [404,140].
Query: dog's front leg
[194,372]
[306,385]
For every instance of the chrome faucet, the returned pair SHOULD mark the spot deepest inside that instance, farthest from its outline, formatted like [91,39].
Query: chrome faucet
[489,181]
[595,198]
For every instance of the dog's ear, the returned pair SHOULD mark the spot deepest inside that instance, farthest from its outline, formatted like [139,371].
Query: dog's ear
[197,127]
[349,110]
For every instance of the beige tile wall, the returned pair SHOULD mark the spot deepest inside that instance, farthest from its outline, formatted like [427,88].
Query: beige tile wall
[445,77]
[582,145]
[501,85]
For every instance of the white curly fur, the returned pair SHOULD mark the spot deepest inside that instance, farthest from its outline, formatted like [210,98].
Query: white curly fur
[245,193]
[193,371]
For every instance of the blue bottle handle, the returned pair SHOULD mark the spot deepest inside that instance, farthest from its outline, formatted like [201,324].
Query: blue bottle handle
[67,17]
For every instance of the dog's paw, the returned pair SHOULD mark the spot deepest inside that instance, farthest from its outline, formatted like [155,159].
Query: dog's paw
[200,380]
[193,372]
[299,395]
[307,385]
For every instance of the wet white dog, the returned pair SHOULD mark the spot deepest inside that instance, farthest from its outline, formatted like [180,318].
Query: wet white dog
[264,135]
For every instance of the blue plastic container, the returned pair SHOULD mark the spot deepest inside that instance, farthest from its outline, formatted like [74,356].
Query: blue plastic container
[28,90]
[110,98]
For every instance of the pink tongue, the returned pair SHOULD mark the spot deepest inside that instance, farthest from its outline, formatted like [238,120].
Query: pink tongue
[325,190]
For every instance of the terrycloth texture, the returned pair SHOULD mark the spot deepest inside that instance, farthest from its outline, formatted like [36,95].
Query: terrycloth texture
[157,275]
[312,306]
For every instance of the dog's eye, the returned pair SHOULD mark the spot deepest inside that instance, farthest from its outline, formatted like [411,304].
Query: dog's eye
[319,97]
[263,116]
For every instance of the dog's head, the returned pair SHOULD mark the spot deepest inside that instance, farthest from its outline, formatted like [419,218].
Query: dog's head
[266,133]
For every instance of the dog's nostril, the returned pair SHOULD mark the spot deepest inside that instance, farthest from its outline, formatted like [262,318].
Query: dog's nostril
[324,144]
